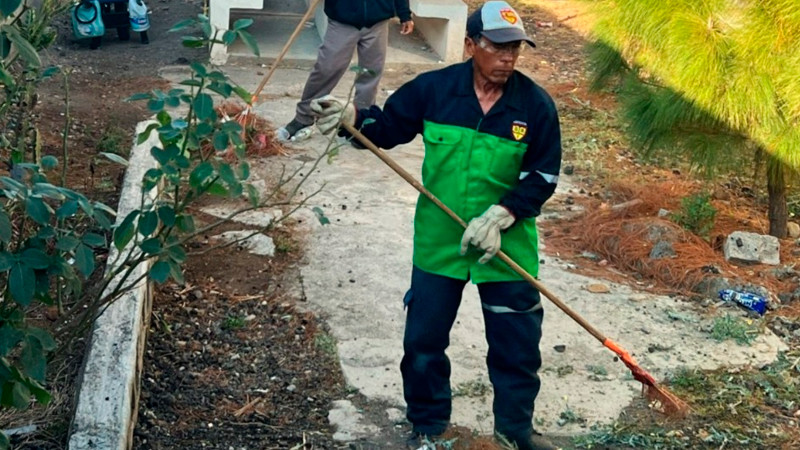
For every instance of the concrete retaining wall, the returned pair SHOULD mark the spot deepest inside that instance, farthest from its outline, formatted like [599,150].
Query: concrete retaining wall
[109,386]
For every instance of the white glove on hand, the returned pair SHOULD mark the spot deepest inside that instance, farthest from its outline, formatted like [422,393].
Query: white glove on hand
[331,111]
[484,231]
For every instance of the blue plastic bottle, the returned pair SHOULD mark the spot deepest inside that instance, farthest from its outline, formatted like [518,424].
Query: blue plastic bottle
[750,301]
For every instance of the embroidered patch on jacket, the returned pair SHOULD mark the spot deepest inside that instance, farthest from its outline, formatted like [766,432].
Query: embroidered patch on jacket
[509,15]
[519,129]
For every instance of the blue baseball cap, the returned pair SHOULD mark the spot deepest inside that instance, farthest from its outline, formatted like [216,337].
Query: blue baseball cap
[498,22]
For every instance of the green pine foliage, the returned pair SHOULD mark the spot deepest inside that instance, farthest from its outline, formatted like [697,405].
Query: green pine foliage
[717,77]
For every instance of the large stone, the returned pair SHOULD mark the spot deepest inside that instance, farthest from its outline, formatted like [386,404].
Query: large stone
[255,218]
[257,244]
[747,247]
[794,229]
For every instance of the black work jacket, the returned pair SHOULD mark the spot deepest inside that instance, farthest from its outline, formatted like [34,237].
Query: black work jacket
[366,13]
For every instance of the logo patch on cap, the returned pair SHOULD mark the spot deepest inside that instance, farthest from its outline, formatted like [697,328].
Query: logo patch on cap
[519,129]
[509,15]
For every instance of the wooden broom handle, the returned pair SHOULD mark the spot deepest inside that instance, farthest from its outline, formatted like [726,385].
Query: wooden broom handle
[503,257]
[311,7]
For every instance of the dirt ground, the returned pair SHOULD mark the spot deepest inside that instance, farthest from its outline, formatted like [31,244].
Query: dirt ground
[233,359]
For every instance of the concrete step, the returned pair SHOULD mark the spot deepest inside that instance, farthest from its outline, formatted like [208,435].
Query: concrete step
[285,6]
[271,33]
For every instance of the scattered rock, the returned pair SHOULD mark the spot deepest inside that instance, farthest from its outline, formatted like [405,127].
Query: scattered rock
[395,415]
[748,247]
[560,348]
[663,213]
[662,250]
[590,255]
[257,244]
[794,229]
[568,170]
[346,419]
[598,288]
[784,272]
[51,312]
[657,232]
[257,218]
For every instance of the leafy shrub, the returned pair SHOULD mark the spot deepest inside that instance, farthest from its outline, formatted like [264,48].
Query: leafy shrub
[49,234]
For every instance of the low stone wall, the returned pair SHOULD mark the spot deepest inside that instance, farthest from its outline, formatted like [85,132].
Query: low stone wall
[108,392]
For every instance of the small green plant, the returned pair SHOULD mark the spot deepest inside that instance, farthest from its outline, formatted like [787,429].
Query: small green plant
[728,327]
[472,388]
[597,373]
[565,370]
[597,370]
[327,344]
[114,140]
[444,444]
[284,244]
[233,323]
[569,416]
[685,378]
[620,436]
[697,214]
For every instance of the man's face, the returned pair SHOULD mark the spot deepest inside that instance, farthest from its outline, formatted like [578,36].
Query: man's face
[495,62]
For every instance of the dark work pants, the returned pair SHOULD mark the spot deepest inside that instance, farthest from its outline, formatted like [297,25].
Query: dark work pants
[512,316]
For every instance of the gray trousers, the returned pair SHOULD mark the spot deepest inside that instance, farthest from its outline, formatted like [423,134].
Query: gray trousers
[333,60]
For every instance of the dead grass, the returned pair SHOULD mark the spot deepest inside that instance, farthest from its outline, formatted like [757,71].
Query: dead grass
[625,238]
[259,133]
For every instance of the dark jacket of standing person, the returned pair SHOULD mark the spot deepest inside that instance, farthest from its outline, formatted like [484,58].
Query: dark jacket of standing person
[366,13]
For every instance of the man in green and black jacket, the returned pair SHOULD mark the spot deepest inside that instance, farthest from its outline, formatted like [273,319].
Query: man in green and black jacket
[492,155]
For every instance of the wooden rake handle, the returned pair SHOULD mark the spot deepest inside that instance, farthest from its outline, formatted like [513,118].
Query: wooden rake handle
[503,257]
[311,7]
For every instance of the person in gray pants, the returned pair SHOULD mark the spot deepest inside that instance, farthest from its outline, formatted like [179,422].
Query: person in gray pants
[352,24]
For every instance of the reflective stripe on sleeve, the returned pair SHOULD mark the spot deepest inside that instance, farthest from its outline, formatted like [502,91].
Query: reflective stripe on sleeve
[553,179]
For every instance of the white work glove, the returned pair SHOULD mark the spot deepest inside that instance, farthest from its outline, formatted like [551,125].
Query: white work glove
[484,231]
[331,111]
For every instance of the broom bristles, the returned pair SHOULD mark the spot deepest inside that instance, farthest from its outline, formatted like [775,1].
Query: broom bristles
[659,398]
[664,401]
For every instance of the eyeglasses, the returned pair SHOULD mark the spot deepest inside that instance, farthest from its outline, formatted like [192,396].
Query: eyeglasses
[511,48]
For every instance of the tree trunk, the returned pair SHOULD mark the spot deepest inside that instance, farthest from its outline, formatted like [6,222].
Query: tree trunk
[776,186]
